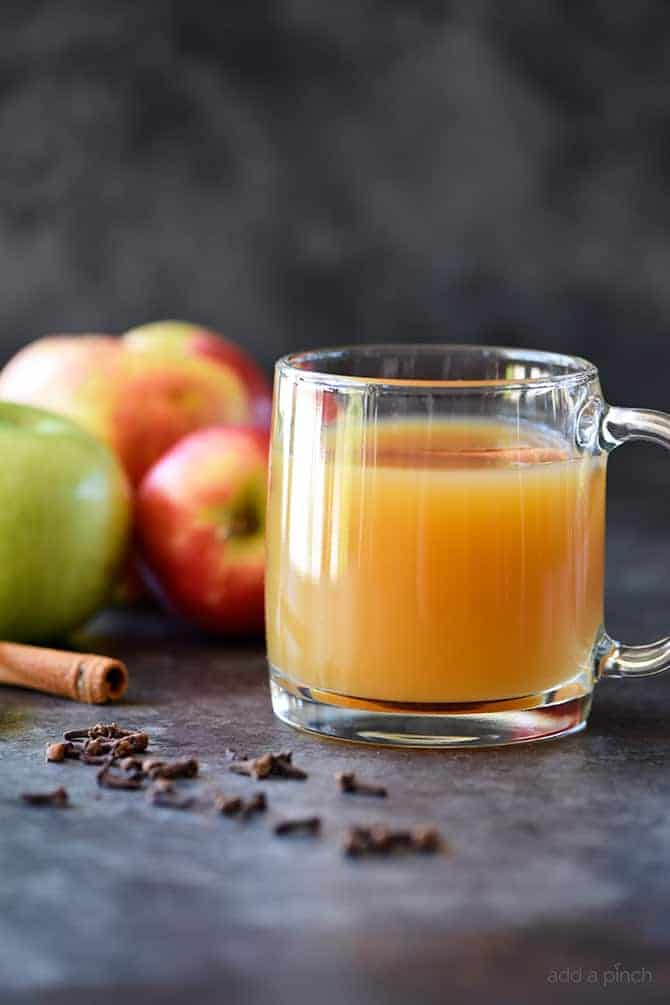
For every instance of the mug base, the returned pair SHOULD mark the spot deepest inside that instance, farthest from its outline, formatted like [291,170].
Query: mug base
[547,716]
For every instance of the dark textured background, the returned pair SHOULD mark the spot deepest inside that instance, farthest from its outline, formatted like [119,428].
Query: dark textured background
[309,172]
[306,172]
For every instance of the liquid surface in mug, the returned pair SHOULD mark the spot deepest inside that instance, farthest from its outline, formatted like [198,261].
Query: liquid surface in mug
[438,562]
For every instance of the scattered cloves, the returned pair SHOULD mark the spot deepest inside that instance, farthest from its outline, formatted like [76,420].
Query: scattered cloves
[118,753]
[299,825]
[58,798]
[269,766]
[115,751]
[103,741]
[110,730]
[349,783]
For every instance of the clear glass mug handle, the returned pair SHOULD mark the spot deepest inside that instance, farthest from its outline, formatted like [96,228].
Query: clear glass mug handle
[614,659]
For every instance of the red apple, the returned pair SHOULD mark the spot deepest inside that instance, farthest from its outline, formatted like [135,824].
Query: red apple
[200,519]
[142,392]
[184,339]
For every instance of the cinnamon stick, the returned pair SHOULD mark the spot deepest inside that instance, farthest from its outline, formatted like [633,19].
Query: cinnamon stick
[81,676]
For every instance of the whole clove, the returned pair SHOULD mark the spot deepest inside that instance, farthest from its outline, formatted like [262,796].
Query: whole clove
[110,778]
[233,805]
[86,758]
[164,793]
[257,804]
[131,764]
[57,798]
[357,842]
[382,840]
[149,765]
[98,746]
[255,767]
[349,783]
[299,825]
[163,785]
[228,805]
[57,751]
[269,766]
[186,767]
[376,840]
[389,840]
[131,743]
[426,839]
[62,750]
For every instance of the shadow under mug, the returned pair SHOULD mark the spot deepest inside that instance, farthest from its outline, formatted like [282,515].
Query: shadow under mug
[436,527]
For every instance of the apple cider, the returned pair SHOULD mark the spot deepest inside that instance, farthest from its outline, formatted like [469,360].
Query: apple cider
[434,561]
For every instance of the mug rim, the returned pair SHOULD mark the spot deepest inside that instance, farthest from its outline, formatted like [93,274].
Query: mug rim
[578,370]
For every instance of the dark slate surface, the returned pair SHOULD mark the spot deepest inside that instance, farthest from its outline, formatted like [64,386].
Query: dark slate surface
[558,851]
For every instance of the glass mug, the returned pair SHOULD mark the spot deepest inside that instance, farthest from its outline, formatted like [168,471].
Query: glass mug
[436,525]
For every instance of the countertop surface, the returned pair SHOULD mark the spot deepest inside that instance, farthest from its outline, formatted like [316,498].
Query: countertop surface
[555,886]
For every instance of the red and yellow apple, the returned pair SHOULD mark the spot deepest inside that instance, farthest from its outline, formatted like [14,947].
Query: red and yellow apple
[200,527]
[143,391]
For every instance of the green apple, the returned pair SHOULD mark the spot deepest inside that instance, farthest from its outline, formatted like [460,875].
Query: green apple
[64,520]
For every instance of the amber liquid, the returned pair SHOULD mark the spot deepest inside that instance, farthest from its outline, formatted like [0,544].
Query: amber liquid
[442,562]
